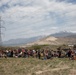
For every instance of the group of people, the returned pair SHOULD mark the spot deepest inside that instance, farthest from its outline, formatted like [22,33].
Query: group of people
[41,54]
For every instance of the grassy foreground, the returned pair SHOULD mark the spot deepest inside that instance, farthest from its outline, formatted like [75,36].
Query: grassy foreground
[32,66]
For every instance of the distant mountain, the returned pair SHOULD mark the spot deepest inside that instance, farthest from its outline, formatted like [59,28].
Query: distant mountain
[63,34]
[72,36]
[50,40]
[54,39]
[21,41]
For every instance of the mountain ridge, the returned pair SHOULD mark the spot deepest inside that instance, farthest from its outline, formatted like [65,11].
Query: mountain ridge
[57,38]
[63,34]
[21,41]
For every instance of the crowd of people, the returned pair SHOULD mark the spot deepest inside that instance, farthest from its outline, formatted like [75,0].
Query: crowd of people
[40,54]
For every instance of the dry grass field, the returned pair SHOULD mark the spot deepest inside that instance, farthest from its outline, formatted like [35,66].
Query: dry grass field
[33,66]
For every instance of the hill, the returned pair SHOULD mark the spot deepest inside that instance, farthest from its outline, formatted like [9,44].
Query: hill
[53,39]
[72,36]
[56,39]
[63,34]
[50,40]
[21,41]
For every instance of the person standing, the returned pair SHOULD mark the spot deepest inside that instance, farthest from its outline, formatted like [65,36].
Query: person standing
[39,54]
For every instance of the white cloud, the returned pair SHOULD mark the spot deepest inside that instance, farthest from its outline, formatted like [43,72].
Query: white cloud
[3,2]
[38,16]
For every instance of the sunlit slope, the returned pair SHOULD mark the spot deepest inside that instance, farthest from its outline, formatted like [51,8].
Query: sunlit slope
[55,41]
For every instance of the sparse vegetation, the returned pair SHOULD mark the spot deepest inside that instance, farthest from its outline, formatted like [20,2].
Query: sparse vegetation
[32,66]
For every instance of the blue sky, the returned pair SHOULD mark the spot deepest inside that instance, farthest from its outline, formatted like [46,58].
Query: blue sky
[29,18]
